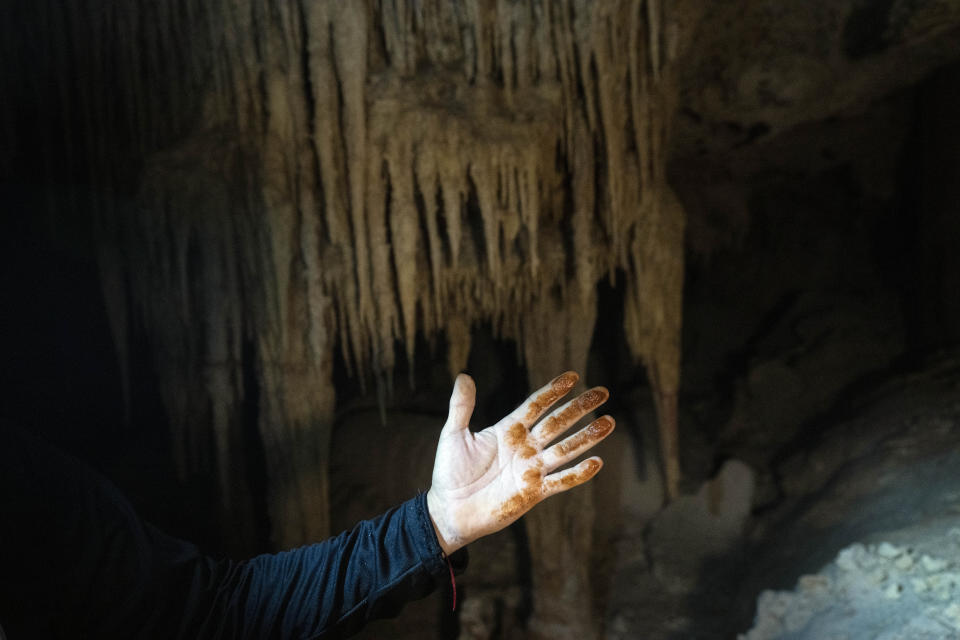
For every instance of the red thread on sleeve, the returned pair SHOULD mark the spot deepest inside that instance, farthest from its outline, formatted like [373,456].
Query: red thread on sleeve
[453,582]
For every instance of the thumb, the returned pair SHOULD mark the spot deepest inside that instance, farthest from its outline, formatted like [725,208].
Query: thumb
[462,401]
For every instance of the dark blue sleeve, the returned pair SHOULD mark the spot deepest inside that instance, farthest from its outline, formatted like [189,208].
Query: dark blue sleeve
[77,562]
[324,590]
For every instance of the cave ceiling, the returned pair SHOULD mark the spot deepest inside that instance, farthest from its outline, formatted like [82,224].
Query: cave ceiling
[759,68]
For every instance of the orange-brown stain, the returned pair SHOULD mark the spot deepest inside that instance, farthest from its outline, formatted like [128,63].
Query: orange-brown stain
[517,440]
[584,403]
[573,479]
[533,492]
[517,435]
[522,501]
[559,387]
[590,400]
[596,431]
[519,503]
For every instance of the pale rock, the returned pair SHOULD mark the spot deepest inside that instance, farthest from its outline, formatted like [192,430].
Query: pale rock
[877,576]
[847,560]
[887,550]
[952,615]
[893,591]
[904,562]
[933,564]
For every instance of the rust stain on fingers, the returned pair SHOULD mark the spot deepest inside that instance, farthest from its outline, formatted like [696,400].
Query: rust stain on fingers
[582,404]
[590,400]
[590,469]
[559,387]
[593,433]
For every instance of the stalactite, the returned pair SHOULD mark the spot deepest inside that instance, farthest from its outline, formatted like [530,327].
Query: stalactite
[325,124]
[653,309]
[382,306]
[349,52]
[428,185]
[404,238]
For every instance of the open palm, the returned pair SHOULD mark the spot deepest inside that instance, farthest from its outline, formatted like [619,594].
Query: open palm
[484,481]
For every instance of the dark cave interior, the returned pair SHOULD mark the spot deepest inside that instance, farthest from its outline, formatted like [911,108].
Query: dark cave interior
[820,328]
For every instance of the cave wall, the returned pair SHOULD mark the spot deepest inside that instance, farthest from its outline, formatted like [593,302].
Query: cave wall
[934,306]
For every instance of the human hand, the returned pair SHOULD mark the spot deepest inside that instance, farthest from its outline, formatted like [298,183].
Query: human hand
[484,481]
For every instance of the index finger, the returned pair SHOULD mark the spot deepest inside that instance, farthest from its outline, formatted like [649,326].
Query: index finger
[538,403]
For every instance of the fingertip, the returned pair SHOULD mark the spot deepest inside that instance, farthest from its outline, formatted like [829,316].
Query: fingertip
[592,398]
[462,401]
[588,469]
[565,381]
[592,466]
[601,427]
[463,378]
[464,390]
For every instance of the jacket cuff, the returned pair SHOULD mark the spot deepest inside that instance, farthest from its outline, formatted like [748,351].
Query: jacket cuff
[428,547]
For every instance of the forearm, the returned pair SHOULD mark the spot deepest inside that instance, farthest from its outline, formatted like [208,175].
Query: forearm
[328,589]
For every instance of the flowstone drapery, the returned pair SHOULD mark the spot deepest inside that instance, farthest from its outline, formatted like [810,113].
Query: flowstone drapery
[303,173]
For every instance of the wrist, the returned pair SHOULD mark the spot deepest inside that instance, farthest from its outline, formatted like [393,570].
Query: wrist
[447,538]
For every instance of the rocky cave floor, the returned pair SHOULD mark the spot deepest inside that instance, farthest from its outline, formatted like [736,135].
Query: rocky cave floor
[861,542]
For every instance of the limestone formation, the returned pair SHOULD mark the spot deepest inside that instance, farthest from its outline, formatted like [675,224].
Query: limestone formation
[308,173]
